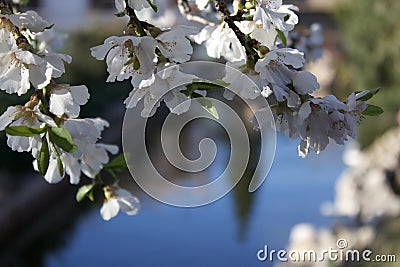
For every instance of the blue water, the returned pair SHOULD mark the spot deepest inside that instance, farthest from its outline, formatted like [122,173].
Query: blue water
[219,234]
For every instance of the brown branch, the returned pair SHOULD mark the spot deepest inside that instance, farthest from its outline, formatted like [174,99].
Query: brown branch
[134,22]
[186,12]
[226,16]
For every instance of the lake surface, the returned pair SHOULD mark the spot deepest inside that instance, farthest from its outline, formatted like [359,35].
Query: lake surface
[228,232]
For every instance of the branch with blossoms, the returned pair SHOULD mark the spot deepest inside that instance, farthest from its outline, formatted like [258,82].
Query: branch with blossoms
[49,125]
[255,38]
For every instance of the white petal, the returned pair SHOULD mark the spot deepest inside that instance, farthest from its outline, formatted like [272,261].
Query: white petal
[120,5]
[14,76]
[80,94]
[61,102]
[28,57]
[44,118]
[202,4]
[55,62]
[304,111]
[266,92]
[305,82]
[40,75]
[174,44]
[204,34]
[100,51]
[177,102]
[138,4]
[129,204]
[110,148]
[31,20]
[92,162]
[145,53]
[83,129]
[53,174]
[302,149]
[19,143]
[135,96]
[8,116]
[99,123]
[109,209]
[292,57]
[72,168]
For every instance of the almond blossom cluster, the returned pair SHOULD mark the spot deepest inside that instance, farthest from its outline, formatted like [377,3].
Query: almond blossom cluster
[255,38]
[139,57]
[278,71]
[49,125]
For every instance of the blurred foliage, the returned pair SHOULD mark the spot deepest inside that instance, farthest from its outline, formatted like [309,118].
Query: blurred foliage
[84,69]
[371,39]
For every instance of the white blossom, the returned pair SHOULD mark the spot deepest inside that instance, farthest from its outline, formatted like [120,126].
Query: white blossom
[165,85]
[127,57]
[19,67]
[271,13]
[118,199]
[29,20]
[279,69]
[66,99]
[89,157]
[135,4]
[53,174]
[174,44]
[23,116]
[242,81]
[285,121]
[202,4]
[221,41]
[266,36]
[321,119]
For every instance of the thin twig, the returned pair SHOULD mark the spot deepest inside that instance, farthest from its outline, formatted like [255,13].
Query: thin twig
[186,12]
[134,21]
[226,16]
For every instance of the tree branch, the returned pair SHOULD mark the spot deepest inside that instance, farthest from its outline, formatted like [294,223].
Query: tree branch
[230,20]
[134,22]
[185,10]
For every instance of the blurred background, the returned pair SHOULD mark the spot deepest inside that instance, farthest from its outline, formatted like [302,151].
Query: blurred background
[350,192]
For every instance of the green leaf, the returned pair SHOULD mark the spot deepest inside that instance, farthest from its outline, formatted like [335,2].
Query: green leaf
[60,165]
[372,110]
[153,6]
[43,157]
[120,14]
[208,106]
[282,36]
[23,2]
[85,191]
[62,138]
[24,131]
[117,163]
[201,85]
[221,83]
[369,95]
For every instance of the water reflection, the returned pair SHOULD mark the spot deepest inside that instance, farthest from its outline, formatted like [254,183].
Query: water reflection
[228,232]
